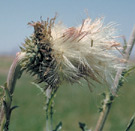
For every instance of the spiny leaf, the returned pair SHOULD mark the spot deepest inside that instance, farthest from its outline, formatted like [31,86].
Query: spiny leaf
[58,127]
[129,71]
[5,108]
[12,108]
[130,124]
[83,126]
[1,92]
[8,97]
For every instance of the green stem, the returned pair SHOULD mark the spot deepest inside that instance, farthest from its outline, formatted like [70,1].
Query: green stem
[107,103]
[106,108]
[14,73]
[50,93]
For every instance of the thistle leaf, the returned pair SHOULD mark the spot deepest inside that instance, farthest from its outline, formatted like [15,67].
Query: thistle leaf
[131,123]
[58,127]
[83,126]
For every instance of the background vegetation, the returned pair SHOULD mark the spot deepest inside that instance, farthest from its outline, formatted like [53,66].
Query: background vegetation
[73,104]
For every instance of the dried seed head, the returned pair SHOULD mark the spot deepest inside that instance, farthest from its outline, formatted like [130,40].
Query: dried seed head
[40,60]
[56,53]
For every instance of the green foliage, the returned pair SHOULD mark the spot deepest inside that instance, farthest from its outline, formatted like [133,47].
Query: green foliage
[58,127]
[83,126]
[6,103]
[131,123]
[107,100]
[1,95]
[124,75]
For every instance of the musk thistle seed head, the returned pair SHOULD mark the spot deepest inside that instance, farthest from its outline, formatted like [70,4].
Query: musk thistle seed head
[55,53]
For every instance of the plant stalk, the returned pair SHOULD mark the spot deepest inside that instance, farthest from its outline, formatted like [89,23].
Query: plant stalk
[6,109]
[106,107]
[107,103]
[127,53]
[50,94]
[48,121]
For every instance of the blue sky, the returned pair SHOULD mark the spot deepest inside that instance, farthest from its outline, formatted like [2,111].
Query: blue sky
[15,14]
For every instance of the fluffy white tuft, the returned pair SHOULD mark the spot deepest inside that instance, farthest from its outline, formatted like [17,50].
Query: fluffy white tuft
[87,51]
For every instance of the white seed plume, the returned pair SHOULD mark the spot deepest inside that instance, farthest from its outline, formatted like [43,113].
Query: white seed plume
[90,48]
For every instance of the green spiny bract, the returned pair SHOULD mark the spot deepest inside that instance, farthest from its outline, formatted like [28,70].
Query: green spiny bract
[39,59]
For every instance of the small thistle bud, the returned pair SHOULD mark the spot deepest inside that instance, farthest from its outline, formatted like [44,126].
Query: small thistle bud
[55,53]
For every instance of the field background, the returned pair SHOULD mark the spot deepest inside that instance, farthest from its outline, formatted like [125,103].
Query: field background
[73,104]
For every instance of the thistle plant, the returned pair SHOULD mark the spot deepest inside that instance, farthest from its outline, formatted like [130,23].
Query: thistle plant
[55,54]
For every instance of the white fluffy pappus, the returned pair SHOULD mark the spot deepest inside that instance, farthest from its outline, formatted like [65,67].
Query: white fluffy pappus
[88,51]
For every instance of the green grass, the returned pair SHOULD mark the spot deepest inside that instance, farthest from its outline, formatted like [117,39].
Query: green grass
[73,104]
